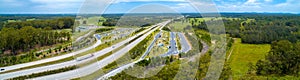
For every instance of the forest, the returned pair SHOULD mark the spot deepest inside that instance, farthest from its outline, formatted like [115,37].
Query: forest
[58,23]
[283,59]
[20,39]
[281,31]
[14,40]
[258,29]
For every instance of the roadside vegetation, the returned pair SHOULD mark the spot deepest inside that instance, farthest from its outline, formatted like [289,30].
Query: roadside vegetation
[178,41]
[171,65]
[100,30]
[140,48]
[160,46]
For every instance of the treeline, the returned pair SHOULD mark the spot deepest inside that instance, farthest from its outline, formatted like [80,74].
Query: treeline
[282,60]
[258,29]
[104,30]
[133,20]
[59,23]
[14,40]
[110,22]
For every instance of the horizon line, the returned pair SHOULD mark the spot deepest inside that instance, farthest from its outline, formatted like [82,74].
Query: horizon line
[70,13]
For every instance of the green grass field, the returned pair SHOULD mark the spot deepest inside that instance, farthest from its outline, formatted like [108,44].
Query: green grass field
[178,26]
[243,54]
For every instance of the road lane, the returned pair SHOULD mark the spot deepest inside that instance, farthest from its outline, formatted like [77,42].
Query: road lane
[184,43]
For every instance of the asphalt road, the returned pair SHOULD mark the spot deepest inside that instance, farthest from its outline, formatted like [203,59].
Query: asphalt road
[120,69]
[185,48]
[64,64]
[86,70]
[185,45]
[172,48]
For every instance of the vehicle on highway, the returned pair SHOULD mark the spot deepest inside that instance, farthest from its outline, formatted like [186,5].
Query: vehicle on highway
[84,57]
[2,69]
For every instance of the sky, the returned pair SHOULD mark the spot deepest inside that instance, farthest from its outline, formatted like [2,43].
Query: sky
[123,6]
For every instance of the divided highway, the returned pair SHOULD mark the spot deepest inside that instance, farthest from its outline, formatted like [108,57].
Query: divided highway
[65,64]
[86,70]
[184,42]
[50,59]
[120,69]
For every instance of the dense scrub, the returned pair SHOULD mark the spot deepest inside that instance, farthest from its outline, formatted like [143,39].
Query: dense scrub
[14,40]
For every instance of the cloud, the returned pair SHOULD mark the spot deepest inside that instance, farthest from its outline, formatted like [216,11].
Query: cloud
[274,6]
[11,3]
[268,0]
[56,5]
[117,1]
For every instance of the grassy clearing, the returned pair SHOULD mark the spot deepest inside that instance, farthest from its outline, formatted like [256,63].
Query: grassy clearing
[178,26]
[243,54]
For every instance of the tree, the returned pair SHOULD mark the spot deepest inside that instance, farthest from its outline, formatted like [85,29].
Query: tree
[60,24]
[283,59]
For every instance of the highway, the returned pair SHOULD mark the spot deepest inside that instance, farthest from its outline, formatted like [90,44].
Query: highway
[68,63]
[86,70]
[50,59]
[184,43]
[120,69]
[186,48]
